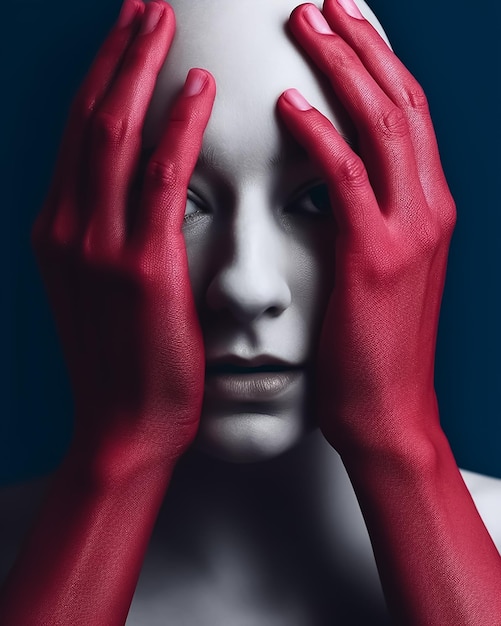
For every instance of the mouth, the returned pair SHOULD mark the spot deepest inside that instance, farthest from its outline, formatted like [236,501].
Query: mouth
[232,368]
[256,380]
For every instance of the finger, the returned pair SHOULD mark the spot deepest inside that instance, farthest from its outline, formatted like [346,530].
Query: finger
[354,205]
[115,130]
[398,83]
[163,202]
[383,133]
[60,209]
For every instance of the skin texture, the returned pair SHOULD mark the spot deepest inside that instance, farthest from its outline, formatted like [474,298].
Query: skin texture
[105,270]
[378,406]
[259,248]
[119,284]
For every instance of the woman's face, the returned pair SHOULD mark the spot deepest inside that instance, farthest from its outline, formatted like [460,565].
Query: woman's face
[258,229]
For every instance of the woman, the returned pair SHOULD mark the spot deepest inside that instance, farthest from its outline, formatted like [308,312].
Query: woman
[309,293]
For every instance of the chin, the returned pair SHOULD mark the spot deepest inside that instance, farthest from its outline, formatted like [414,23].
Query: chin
[249,437]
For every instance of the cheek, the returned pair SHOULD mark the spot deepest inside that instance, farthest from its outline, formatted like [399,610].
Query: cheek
[311,272]
[201,247]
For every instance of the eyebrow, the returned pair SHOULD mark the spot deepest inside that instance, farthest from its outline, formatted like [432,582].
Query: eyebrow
[208,158]
[284,157]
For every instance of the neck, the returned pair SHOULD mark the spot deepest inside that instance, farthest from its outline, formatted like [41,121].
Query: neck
[304,491]
[292,519]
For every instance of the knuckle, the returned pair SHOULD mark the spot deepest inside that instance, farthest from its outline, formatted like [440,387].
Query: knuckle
[429,237]
[414,97]
[340,57]
[111,129]
[405,250]
[392,124]
[449,217]
[165,173]
[351,170]
[184,119]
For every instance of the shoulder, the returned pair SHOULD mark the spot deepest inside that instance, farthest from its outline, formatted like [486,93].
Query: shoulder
[486,493]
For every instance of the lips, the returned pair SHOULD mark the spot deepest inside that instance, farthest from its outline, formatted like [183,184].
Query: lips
[263,360]
[249,380]
[230,368]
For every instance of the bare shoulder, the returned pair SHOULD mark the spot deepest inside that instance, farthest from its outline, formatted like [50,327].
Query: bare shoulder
[18,504]
[486,493]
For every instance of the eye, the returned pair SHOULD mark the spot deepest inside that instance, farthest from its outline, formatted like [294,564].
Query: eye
[195,206]
[313,201]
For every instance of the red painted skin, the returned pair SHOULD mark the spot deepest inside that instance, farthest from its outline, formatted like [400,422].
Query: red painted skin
[119,286]
[377,402]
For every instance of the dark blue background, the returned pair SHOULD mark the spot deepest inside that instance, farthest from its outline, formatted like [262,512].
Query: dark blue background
[46,48]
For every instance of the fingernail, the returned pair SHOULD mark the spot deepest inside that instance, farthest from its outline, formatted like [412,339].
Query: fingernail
[351,8]
[294,98]
[152,15]
[195,82]
[316,20]
[127,13]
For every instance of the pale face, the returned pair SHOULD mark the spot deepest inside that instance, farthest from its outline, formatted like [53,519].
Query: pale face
[258,230]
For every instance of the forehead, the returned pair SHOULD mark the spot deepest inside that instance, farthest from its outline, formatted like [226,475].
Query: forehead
[246,46]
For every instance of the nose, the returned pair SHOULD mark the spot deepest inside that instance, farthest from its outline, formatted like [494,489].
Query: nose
[251,280]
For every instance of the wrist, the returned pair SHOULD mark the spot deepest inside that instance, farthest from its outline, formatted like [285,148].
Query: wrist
[414,455]
[133,440]
[384,427]
[113,458]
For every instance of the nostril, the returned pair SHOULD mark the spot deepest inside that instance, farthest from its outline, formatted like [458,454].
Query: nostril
[274,311]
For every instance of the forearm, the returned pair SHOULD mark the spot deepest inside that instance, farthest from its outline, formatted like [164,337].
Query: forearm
[124,308]
[82,559]
[438,565]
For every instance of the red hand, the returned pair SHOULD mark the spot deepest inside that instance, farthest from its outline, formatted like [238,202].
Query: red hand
[115,266]
[395,217]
